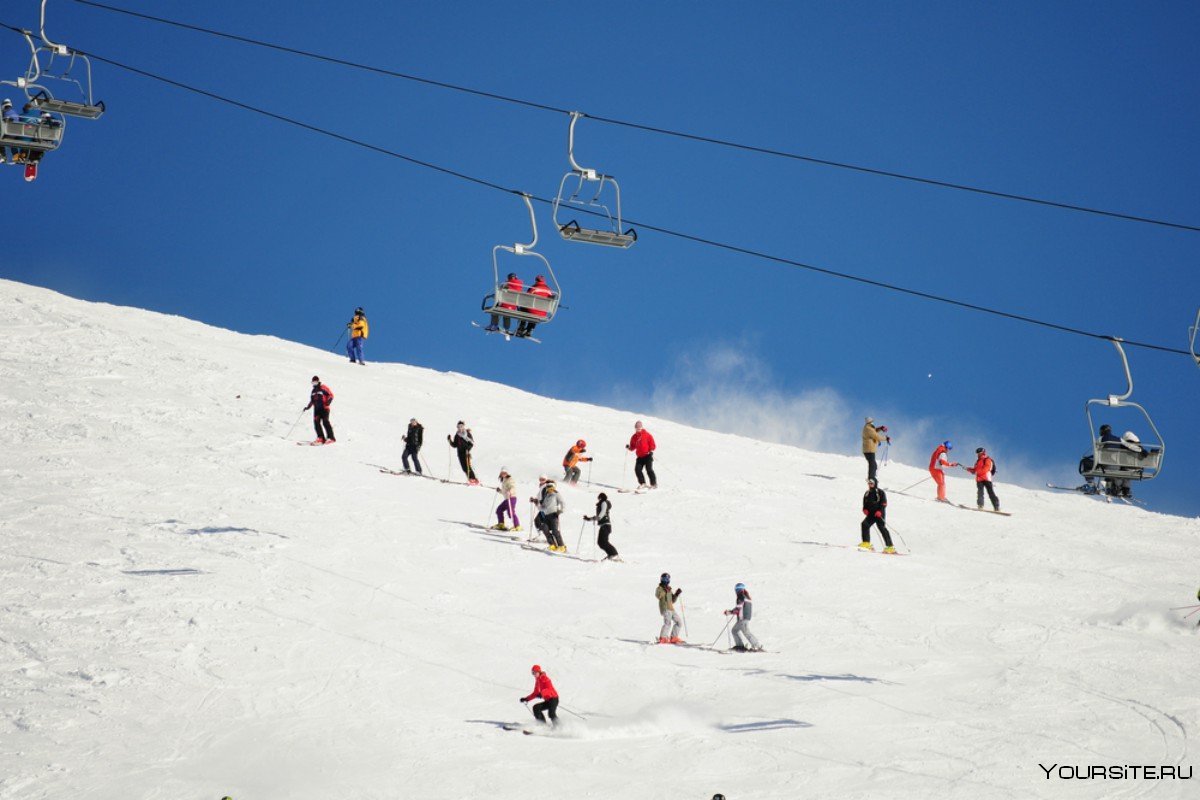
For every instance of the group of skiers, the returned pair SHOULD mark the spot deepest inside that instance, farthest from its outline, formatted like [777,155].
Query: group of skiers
[984,471]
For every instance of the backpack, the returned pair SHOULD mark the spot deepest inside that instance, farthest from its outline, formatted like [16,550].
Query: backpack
[995,469]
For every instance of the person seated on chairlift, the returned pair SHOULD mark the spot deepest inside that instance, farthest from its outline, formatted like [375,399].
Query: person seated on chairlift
[8,115]
[512,284]
[29,116]
[540,289]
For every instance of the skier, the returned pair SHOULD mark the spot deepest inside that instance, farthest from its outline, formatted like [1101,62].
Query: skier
[539,289]
[462,441]
[603,509]
[508,502]
[874,511]
[937,463]
[543,690]
[319,401]
[642,445]
[743,611]
[872,437]
[571,461]
[666,607]
[413,440]
[550,506]
[983,471]
[512,284]
[358,334]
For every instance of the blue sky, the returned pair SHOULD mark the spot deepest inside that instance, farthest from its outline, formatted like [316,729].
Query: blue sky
[180,204]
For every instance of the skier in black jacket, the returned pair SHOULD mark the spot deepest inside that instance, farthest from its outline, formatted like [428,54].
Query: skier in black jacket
[462,441]
[413,440]
[603,508]
[874,511]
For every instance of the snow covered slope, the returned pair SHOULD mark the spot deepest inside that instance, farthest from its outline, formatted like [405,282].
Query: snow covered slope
[193,606]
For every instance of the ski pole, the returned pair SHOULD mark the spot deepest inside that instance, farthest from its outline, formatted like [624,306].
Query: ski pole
[448,465]
[294,424]
[489,512]
[572,713]
[580,542]
[722,633]
[594,545]
[906,547]
[683,614]
[625,469]
[589,477]
[918,483]
[339,341]
[426,462]
[1181,608]
[1197,611]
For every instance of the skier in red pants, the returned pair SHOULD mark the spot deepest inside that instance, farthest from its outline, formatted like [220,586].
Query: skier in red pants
[544,690]
[937,463]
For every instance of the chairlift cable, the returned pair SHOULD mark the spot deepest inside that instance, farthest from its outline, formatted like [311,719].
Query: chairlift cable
[860,168]
[643,225]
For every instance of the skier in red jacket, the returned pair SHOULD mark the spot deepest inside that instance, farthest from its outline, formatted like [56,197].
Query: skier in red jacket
[983,471]
[937,463]
[539,289]
[545,691]
[642,445]
[319,401]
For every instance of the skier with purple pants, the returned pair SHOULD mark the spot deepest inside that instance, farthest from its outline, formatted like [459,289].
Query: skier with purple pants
[508,502]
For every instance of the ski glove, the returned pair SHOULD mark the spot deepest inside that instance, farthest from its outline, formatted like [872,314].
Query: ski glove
[865,512]
[524,699]
[878,515]
[677,593]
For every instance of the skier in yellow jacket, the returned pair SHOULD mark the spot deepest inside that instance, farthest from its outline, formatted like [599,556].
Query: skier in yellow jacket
[358,333]
[872,437]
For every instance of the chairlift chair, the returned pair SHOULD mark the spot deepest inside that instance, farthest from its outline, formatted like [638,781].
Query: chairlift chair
[1112,460]
[1193,330]
[54,62]
[582,179]
[522,306]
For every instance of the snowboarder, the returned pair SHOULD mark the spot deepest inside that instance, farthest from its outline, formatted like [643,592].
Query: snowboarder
[984,470]
[743,610]
[874,511]
[550,506]
[937,463]
[571,461]
[666,607]
[413,440]
[463,441]
[872,437]
[358,334]
[319,401]
[603,509]
[642,445]
[508,502]
[543,690]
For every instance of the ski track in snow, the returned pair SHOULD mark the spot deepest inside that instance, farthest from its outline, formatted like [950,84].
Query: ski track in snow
[193,607]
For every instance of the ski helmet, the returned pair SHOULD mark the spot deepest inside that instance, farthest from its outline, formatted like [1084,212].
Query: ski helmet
[535,669]
[512,276]
[979,450]
[602,496]
[665,578]
[542,479]
[359,311]
[637,426]
[316,379]
[948,446]
[741,587]
[581,444]
[872,482]
[504,470]
[412,421]
[1105,429]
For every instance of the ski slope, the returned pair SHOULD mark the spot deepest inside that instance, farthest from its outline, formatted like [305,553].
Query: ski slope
[194,607]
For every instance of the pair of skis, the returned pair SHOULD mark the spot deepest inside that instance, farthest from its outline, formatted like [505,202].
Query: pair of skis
[508,335]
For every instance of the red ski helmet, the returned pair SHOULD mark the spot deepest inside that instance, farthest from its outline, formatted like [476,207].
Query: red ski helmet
[535,669]
[582,444]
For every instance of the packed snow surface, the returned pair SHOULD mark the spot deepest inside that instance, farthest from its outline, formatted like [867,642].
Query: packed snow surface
[193,606]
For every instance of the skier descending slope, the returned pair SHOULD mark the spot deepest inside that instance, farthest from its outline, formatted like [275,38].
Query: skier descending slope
[319,401]
[603,508]
[571,461]
[642,445]
[508,502]
[543,690]
[874,510]
[984,470]
[463,441]
[666,607]
[413,439]
[743,610]
[872,437]
[937,464]
[550,506]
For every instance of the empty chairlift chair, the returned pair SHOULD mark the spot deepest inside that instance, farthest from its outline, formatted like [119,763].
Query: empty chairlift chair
[1192,331]
[1113,460]
[56,64]
[576,196]
[521,305]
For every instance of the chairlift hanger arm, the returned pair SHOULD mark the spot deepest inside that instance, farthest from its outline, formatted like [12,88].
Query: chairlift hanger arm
[1128,376]
[59,49]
